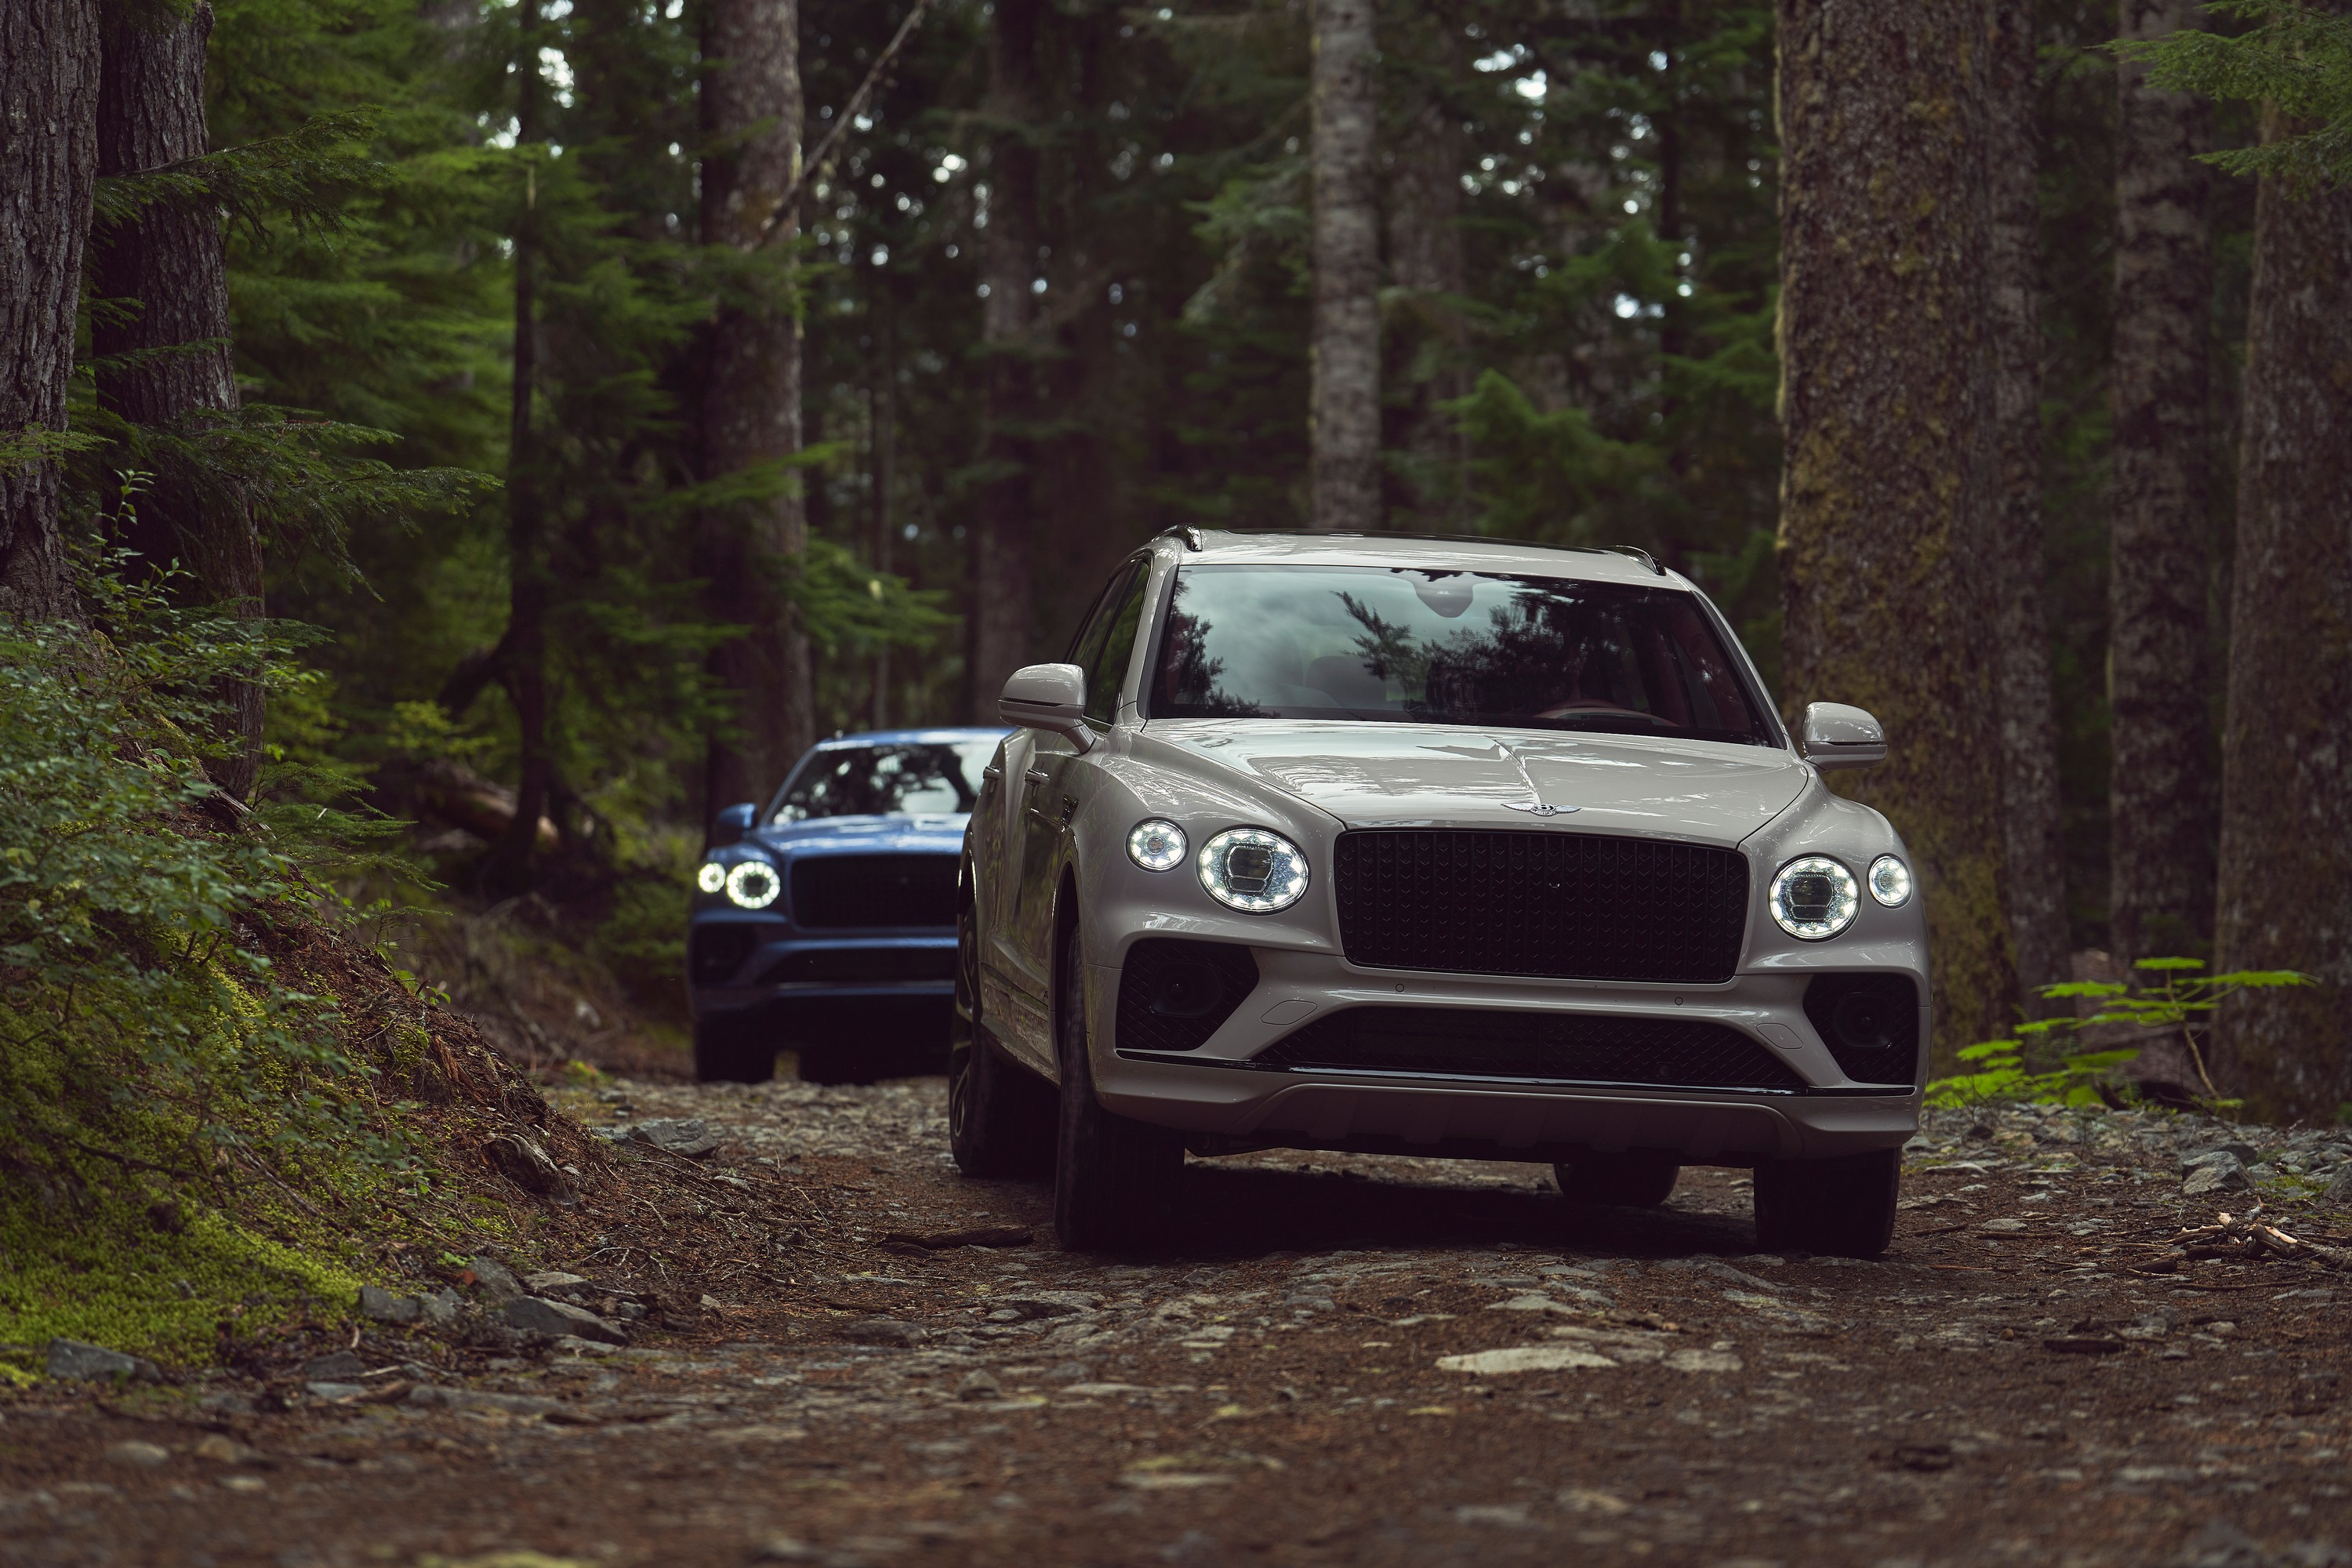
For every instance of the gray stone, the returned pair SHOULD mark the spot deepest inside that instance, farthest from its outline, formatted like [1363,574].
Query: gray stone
[687,1136]
[2236,1153]
[140,1456]
[553,1282]
[430,1396]
[977,1387]
[73,1358]
[496,1281]
[2221,1175]
[537,1315]
[2339,1191]
[326,1390]
[439,1307]
[883,1331]
[381,1304]
[339,1367]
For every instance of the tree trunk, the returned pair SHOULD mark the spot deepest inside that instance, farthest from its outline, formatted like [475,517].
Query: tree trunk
[1002,588]
[1425,264]
[2033,847]
[2161,796]
[2285,893]
[48,157]
[751,113]
[1344,417]
[163,361]
[1890,485]
[884,417]
[510,869]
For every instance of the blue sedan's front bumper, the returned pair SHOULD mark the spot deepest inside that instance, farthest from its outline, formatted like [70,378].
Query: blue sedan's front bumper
[739,962]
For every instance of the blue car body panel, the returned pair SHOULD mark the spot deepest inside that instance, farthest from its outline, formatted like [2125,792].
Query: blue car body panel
[850,921]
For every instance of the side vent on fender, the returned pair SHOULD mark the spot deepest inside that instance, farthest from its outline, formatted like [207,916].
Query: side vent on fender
[1173,994]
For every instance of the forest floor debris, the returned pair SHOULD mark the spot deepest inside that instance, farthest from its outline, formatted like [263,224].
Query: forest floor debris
[839,1351]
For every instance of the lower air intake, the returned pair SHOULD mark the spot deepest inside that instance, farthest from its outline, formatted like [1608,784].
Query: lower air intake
[1557,1047]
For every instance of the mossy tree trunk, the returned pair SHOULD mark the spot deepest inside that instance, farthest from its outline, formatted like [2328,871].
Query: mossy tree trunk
[1003,600]
[2162,785]
[1891,489]
[2033,843]
[2285,885]
[49,159]
[1428,339]
[750,414]
[1344,406]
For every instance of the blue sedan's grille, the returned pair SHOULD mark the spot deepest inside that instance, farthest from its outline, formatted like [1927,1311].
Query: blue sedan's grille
[867,892]
[1570,906]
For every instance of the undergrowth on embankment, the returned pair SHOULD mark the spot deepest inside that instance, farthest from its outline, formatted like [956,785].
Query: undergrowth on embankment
[218,1108]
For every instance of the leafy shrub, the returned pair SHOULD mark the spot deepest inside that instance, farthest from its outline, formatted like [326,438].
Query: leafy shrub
[2034,1066]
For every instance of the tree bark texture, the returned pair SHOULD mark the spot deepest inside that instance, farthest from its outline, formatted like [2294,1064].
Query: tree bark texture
[1003,579]
[883,415]
[2034,847]
[2161,795]
[511,865]
[751,114]
[163,349]
[1344,416]
[1427,337]
[1892,478]
[2285,884]
[49,159]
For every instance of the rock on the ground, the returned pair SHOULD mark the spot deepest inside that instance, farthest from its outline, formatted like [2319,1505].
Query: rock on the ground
[537,1315]
[341,1366]
[883,1331]
[73,1358]
[689,1136]
[381,1304]
[426,1395]
[2223,1174]
[496,1281]
[140,1456]
[522,1161]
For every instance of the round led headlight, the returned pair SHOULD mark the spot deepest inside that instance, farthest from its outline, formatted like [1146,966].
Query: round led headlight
[1814,897]
[1890,881]
[753,884]
[1156,845]
[1252,870]
[712,878]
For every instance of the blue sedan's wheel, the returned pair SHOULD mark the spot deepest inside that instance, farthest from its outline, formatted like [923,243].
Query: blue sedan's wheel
[1841,1208]
[1000,1115]
[1115,1179]
[733,1050]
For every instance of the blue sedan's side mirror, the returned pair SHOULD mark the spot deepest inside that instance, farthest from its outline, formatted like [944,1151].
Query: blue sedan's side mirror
[732,822]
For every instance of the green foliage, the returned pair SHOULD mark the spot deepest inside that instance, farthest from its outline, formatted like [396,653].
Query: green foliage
[169,1092]
[2295,57]
[2034,1066]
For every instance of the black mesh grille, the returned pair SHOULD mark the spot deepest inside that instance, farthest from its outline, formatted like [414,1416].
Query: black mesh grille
[861,966]
[1173,995]
[1575,906]
[1561,1047]
[868,892]
[714,952]
[1870,1023]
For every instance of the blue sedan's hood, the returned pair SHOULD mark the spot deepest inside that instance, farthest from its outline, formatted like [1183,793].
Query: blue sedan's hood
[864,834]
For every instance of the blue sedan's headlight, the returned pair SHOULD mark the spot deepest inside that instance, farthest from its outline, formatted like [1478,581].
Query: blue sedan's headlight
[752,884]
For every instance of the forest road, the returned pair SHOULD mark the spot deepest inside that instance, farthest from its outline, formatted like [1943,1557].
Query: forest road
[1283,1387]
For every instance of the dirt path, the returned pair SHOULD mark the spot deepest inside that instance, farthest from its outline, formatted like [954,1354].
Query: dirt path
[2005,1387]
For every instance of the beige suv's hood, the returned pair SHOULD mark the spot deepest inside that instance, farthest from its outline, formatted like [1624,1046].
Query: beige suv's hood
[1396,775]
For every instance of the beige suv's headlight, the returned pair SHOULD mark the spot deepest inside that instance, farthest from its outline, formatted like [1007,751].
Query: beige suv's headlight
[1253,870]
[1813,898]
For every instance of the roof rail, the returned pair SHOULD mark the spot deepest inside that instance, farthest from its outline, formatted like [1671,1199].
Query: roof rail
[1187,533]
[1638,554]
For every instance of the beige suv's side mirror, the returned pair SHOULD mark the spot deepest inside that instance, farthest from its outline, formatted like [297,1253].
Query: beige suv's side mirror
[1837,736]
[1048,697]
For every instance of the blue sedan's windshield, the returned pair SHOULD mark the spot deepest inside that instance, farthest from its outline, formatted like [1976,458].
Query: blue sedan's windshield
[1447,648]
[913,778]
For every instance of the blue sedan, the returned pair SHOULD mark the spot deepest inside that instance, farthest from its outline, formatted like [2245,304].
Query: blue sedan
[826,923]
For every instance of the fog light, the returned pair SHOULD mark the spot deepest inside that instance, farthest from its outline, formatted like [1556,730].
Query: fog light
[1157,846]
[1890,881]
[712,878]
[1814,897]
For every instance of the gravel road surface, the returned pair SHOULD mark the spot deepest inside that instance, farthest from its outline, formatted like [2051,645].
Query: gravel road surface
[1343,1360]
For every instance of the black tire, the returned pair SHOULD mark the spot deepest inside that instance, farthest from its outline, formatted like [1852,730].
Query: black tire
[1000,1114]
[1638,1180]
[1115,1179]
[1841,1208]
[733,1050]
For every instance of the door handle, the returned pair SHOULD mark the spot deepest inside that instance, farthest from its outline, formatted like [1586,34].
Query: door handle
[1037,777]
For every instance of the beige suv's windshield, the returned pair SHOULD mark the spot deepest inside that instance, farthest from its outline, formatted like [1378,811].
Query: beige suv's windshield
[1451,648]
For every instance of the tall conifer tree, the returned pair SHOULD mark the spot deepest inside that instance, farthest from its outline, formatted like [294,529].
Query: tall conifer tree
[2162,785]
[1345,407]
[1891,489]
